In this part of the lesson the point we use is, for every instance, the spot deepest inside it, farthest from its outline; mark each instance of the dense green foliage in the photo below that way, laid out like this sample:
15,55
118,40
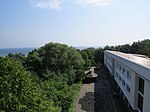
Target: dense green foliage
19,92
140,47
59,58
99,56
62,94
86,59
92,56
48,79
17,57
95,56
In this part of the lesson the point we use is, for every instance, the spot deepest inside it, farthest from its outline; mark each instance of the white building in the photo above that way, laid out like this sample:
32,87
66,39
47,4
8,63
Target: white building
132,74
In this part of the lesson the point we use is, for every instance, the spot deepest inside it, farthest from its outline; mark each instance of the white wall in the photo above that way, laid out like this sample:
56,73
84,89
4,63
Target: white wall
134,90
146,104
136,71
132,95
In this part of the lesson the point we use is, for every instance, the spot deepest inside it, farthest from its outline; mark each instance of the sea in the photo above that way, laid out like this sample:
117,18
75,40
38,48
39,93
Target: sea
6,51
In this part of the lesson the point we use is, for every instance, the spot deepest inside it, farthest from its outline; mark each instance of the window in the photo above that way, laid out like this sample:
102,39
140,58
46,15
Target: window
128,74
116,74
140,94
128,88
141,85
119,78
116,65
119,67
140,102
123,82
123,70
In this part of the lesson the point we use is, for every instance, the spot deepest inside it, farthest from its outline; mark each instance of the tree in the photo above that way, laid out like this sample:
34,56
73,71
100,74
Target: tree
86,59
99,55
17,57
18,92
55,57
140,47
62,94
90,53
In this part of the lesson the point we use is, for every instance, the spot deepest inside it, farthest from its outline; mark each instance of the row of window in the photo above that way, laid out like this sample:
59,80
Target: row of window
123,70
140,94
109,65
127,73
109,58
123,82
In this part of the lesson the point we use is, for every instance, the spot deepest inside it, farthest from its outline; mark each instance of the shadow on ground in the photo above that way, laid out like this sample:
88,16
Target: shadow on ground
88,80
87,102
103,94
102,99
104,88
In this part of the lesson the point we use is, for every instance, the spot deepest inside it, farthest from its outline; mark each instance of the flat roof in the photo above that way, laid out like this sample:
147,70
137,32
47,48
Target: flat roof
136,58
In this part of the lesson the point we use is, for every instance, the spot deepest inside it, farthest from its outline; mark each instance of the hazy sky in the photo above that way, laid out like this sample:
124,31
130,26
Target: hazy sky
32,23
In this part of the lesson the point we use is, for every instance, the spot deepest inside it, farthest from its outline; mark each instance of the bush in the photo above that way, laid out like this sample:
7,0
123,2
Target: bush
18,92
62,94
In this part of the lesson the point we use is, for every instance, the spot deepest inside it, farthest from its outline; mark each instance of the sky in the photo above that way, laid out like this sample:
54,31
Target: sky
33,23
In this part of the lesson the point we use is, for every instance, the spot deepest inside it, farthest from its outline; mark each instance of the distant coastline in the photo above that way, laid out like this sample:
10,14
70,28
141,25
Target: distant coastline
6,51
85,47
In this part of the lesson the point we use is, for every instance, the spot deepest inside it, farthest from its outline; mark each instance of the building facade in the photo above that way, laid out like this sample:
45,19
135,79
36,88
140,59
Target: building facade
132,75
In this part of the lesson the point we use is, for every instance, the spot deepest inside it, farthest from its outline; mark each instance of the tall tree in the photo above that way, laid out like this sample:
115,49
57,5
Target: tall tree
86,59
55,57
18,92
99,55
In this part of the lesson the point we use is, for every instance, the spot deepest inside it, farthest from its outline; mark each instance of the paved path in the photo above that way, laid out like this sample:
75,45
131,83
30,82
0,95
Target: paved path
85,102
97,97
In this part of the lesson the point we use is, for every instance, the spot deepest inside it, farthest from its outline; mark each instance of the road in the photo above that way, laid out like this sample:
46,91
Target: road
98,97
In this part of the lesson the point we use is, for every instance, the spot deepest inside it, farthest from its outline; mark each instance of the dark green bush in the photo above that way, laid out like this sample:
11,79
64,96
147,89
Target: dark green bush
18,92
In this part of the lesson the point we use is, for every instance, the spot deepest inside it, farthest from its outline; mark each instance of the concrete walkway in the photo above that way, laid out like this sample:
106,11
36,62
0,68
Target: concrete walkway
98,96
85,102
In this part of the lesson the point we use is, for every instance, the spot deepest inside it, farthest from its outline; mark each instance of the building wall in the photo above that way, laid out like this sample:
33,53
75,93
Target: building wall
127,74
146,104
134,91
124,81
